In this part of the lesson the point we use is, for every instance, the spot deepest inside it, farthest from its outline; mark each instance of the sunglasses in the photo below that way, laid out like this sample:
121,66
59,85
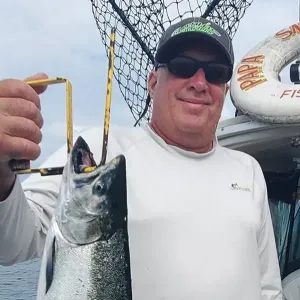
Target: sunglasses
186,67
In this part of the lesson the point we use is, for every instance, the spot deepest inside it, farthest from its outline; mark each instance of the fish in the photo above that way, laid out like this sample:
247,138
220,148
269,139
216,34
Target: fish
86,254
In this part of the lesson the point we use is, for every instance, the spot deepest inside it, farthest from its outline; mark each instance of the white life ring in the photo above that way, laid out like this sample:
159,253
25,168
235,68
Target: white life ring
255,87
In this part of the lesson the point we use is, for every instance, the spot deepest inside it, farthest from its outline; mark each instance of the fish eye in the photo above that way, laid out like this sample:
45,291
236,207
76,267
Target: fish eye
98,187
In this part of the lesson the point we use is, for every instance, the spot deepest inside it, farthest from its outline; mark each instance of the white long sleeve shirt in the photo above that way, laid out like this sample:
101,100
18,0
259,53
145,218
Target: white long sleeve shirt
199,224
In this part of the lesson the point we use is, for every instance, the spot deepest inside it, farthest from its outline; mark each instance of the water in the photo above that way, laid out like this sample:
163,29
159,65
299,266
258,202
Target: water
19,282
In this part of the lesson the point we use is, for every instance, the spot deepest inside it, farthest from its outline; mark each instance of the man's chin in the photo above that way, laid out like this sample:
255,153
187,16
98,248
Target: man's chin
190,126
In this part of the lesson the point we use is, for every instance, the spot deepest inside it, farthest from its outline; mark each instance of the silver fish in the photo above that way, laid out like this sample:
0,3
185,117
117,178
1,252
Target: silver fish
86,254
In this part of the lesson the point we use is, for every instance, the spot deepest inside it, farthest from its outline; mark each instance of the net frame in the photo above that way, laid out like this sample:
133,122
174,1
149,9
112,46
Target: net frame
139,25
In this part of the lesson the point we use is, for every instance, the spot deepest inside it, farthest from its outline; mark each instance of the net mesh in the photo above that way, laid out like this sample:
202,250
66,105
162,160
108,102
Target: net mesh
139,25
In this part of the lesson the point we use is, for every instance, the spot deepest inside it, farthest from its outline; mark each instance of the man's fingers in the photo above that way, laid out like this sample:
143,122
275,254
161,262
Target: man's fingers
20,119
22,127
21,108
12,88
18,148
40,89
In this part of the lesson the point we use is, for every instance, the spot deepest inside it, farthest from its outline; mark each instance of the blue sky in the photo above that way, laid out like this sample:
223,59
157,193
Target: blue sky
61,38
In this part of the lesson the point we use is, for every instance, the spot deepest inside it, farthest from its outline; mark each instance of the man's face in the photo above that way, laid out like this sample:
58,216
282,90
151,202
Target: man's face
191,105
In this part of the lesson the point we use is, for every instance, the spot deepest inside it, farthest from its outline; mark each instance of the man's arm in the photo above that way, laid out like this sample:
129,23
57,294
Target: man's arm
26,213
271,288
7,180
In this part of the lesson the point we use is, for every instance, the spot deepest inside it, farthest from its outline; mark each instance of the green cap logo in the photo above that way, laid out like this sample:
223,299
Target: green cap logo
198,27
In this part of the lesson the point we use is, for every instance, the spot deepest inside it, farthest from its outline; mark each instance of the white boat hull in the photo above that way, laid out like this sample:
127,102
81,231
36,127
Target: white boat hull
270,144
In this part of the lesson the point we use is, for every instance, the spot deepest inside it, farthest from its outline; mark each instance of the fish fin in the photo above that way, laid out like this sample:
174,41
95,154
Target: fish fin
47,266
50,267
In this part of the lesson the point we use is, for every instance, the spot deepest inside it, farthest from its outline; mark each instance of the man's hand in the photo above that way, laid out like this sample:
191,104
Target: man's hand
20,125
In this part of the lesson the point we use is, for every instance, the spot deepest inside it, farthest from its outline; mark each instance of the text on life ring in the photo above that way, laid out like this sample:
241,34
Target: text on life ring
286,34
250,72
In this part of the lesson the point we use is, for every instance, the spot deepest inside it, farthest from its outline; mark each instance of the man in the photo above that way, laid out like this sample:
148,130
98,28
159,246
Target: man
195,233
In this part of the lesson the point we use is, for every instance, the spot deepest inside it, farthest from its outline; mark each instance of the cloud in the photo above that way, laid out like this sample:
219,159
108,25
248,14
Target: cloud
59,129
61,39
261,20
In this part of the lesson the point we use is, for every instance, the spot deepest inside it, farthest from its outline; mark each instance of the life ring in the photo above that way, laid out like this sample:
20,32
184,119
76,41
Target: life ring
255,87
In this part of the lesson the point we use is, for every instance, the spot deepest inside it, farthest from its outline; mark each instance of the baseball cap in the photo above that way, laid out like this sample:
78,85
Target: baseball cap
191,30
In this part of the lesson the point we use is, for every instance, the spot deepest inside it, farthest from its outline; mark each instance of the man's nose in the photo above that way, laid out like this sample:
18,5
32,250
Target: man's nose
198,82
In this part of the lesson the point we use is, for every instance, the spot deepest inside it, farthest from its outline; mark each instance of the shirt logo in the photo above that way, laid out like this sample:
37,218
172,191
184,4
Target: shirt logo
236,187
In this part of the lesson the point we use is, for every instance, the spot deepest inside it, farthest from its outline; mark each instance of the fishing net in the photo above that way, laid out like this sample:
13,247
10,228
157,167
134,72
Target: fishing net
139,25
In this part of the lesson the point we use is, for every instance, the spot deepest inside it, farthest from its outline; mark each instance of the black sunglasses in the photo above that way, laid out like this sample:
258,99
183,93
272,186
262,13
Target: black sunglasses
186,67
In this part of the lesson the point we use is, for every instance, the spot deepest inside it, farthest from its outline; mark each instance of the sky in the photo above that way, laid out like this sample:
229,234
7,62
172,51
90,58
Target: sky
60,38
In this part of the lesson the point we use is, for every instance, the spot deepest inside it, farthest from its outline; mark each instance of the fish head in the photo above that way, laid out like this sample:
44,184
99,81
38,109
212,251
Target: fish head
91,205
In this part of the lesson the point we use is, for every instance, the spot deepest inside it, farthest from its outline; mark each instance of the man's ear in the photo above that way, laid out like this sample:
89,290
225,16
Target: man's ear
152,81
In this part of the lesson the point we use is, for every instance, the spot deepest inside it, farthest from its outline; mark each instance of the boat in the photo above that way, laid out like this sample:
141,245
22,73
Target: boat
266,125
